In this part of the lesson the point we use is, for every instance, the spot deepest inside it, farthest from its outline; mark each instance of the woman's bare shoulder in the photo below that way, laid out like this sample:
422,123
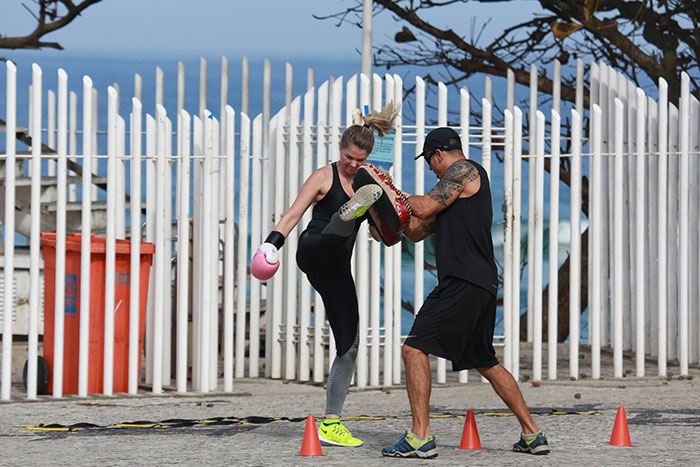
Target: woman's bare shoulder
321,180
322,175
326,170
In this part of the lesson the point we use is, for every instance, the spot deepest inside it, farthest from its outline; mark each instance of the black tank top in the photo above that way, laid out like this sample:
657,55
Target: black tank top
329,205
464,248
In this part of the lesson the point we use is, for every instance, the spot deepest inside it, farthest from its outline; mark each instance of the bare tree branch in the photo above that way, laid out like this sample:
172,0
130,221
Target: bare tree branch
646,40
455,52
52,15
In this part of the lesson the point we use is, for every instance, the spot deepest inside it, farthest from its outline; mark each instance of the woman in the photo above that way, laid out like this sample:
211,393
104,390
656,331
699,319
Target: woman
325,250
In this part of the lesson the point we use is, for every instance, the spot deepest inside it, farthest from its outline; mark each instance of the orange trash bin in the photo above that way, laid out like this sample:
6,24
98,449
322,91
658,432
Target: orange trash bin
72,310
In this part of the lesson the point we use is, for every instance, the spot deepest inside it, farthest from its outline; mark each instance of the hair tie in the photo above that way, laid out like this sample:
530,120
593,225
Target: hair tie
364,124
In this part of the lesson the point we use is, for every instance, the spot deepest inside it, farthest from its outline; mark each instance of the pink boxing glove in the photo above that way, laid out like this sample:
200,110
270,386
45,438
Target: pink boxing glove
265,262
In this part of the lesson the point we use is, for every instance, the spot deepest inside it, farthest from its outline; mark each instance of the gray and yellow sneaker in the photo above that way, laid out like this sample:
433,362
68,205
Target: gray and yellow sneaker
532,444
410,446
331,431
361,201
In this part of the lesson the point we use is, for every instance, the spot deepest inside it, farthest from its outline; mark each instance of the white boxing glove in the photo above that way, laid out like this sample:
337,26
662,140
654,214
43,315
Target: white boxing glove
271,252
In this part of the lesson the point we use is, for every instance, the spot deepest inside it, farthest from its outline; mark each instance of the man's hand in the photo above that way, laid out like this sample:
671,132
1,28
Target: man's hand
419,229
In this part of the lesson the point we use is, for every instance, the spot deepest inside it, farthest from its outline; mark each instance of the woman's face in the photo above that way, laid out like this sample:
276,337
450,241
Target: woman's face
351,158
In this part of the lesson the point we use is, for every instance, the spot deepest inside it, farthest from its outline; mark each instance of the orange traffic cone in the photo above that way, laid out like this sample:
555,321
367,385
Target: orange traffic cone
470,435
621,433
311,445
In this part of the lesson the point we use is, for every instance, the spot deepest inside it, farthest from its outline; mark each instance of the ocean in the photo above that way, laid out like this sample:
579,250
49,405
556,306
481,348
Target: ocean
108,70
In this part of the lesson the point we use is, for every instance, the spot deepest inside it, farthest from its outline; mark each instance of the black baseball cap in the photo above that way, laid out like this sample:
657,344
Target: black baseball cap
439,138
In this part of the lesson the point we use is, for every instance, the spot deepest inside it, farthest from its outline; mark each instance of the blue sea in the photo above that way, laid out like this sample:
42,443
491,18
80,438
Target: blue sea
108,70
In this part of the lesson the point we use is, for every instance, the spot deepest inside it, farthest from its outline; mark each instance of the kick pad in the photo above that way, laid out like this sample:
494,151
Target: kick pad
391,213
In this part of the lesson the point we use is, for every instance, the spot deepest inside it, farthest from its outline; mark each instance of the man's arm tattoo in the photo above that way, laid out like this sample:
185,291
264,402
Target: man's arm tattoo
429,228
457,175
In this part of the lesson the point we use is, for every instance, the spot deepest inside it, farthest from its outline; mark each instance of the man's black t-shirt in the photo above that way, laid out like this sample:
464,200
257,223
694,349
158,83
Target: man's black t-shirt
464,248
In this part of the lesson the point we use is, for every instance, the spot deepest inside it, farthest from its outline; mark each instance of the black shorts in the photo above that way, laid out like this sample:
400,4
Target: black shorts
456,322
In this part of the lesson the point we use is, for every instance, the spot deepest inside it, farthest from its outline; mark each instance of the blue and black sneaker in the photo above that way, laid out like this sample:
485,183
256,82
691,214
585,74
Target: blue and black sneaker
537,446
409,446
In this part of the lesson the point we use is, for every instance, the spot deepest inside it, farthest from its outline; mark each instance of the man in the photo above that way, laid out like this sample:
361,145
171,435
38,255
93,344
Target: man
457,320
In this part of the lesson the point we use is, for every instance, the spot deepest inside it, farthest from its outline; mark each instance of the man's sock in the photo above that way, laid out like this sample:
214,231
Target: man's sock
529,438
415,440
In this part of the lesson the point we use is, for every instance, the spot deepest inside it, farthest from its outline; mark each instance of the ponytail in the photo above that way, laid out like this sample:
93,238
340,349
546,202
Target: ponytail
361,134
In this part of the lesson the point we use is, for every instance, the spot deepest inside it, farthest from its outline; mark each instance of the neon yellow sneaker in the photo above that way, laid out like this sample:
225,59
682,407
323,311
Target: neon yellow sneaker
361,201
335,433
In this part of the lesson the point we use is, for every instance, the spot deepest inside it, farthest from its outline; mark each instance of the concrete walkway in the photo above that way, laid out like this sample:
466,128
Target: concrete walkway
663,418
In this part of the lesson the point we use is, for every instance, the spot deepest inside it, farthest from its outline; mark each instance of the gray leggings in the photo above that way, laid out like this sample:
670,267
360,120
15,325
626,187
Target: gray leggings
339,378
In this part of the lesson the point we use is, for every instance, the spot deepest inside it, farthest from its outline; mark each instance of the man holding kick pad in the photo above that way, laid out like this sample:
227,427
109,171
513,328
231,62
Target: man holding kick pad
457,320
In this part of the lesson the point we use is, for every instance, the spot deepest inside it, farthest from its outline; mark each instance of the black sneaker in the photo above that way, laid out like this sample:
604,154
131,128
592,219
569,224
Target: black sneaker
538,446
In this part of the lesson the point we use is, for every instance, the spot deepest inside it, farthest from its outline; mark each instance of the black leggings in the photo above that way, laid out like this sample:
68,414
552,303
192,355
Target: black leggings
325,259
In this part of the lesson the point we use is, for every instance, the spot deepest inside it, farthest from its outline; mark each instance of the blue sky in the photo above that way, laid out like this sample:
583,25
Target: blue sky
273,28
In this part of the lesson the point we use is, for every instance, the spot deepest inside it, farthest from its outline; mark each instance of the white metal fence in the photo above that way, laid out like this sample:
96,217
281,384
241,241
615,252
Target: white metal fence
643,267
205,313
